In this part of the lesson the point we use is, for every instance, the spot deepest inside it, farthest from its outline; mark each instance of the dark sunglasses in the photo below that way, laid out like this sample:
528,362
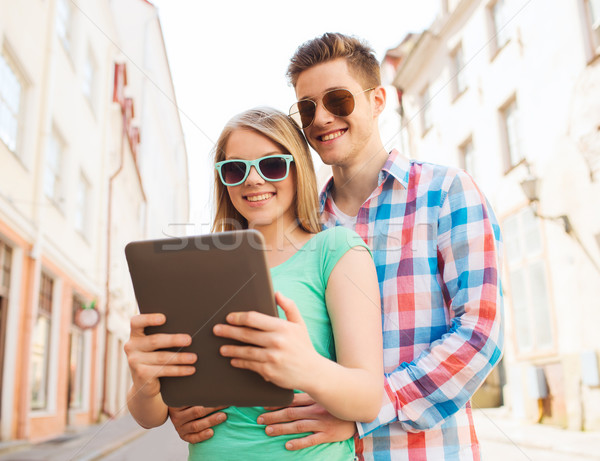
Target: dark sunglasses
271,168
337,102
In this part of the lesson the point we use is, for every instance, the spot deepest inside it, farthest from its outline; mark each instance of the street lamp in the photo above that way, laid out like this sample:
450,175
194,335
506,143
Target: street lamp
530,186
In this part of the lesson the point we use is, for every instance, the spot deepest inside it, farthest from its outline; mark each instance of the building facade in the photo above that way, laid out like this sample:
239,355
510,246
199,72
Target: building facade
85,122
510,91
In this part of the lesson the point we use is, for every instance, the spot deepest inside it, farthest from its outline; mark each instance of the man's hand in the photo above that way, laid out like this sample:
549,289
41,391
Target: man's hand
304,415
194,424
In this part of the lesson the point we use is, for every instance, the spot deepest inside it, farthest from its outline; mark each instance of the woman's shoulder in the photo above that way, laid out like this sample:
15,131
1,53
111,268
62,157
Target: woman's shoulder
338,237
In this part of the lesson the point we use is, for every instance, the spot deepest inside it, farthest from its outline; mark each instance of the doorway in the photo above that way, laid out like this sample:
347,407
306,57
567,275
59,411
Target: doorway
5,266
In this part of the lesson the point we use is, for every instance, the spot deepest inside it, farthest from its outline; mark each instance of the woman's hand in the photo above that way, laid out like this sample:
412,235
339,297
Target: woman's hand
280,350
147,364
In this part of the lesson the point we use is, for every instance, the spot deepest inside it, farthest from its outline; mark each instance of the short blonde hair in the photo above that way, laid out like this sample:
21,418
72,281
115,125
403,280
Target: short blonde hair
280,129
359,56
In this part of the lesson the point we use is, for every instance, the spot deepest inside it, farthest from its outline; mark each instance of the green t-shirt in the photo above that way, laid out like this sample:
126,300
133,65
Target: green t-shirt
302,278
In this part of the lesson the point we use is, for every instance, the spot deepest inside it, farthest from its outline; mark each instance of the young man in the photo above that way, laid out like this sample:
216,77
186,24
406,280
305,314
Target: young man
436,246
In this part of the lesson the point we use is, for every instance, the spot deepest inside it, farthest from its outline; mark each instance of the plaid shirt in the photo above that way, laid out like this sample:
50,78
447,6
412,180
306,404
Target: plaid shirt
436,245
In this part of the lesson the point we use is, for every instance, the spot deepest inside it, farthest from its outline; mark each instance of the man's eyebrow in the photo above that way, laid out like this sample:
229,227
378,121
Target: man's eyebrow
324,91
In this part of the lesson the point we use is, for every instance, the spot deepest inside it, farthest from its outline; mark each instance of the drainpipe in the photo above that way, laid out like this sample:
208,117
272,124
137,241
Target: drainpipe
104,408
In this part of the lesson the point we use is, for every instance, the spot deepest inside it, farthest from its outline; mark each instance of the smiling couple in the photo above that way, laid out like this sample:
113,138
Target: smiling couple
385,332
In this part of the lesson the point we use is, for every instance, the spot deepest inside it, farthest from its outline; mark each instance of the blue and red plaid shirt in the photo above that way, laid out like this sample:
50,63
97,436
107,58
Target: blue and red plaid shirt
436,245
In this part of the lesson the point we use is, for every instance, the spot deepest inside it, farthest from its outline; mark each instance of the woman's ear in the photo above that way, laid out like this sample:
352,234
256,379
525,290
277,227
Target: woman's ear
378,100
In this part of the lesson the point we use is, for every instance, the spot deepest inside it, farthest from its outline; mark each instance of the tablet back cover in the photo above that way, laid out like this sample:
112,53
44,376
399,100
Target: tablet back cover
196,282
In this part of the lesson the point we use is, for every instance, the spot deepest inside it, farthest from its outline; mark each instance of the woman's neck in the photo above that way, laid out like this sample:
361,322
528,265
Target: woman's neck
282,240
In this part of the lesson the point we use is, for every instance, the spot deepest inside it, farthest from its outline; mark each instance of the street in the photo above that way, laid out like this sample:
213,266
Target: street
501,439
121,439
161,443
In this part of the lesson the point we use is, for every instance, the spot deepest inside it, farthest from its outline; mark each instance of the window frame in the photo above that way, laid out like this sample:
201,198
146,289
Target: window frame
524,262
464,152
88,87
500,28
512,141
57,145
46,299
592,25
64,24
460,82
11,66
79,378
426,113
81,215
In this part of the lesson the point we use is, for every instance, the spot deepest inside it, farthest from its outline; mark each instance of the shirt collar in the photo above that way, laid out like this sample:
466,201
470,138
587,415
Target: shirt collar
396,166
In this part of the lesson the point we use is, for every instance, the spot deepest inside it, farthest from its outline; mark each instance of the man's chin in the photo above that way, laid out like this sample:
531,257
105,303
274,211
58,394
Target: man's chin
330,158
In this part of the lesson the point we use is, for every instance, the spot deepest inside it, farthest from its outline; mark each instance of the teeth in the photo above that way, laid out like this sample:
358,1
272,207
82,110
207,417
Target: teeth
257,198
330,136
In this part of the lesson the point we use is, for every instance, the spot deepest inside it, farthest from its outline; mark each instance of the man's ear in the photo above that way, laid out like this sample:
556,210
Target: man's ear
378,100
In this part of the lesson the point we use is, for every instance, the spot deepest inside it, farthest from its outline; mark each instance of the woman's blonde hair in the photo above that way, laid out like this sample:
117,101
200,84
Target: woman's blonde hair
280,129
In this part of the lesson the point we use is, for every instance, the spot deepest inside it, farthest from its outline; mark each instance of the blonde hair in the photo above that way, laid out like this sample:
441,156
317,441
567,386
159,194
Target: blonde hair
280,129
360,57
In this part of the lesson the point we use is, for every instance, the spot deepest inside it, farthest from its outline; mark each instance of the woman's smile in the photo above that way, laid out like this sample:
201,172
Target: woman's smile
259,198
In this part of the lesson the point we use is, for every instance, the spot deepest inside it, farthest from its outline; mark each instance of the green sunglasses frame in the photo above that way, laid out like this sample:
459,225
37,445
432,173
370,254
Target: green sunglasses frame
254,163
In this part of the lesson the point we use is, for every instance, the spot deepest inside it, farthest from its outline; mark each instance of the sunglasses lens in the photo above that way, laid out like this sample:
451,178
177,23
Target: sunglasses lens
233,172
273,168
306,110
339,102
295,114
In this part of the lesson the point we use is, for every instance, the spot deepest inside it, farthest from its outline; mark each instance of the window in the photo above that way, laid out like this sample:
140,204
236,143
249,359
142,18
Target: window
459,80
426,110
76,359
467,156
54,159
82,204
11,89
63,23
5,264
593,15
500,25
512,134
528,282
40,356
89,77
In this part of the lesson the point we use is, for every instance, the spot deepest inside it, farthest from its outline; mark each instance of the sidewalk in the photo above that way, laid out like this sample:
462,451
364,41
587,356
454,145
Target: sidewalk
492,425
91,444
496,425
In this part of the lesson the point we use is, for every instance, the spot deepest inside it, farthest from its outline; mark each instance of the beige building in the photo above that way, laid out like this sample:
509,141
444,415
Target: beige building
91,156
510,91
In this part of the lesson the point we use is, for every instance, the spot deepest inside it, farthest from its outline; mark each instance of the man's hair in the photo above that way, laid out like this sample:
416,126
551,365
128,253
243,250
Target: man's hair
359,56
280,129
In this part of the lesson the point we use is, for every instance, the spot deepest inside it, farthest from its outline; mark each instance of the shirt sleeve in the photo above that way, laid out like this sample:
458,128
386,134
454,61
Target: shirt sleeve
441,380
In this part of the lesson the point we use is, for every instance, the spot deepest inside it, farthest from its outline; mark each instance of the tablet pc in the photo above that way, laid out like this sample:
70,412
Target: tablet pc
196,281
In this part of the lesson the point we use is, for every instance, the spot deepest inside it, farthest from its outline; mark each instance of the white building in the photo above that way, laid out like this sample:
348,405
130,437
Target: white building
510,91
79,150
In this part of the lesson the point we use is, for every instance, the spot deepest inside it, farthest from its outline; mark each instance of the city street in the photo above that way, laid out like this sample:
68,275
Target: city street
122,439
161,443
503,438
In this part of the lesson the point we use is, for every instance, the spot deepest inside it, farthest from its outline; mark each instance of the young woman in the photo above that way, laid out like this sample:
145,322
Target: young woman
327,341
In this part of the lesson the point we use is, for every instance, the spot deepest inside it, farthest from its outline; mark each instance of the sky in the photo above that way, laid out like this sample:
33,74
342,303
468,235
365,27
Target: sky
231,55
